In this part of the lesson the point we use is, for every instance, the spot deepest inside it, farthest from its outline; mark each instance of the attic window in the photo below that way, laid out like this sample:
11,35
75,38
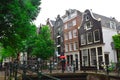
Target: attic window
86,18
87,25
112,25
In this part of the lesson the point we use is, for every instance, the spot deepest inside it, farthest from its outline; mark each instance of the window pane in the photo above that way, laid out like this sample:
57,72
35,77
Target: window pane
99,50
83,41
97,35
85,57
89,37
93,56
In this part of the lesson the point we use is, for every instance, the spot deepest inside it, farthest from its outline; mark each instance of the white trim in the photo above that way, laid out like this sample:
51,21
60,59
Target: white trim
94,35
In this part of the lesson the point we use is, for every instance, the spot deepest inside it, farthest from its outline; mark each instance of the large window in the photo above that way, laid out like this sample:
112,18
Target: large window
70,24
66,36
74,33
89,38
96,36
74,22
70,47
70,34
83,40
85,57
75,45
93,56
66,47
88,25
65,26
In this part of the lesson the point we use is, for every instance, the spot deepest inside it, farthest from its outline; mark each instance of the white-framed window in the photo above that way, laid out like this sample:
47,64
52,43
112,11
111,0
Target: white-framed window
83,39
112,25
85,57
70,34
70,24
89,38
74,33
65,26
96,35
70,47
88,25
75,45
66,36
66,47
93,59
74,22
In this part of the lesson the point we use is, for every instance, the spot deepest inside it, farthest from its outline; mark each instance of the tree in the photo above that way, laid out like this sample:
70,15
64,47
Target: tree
43,44
116,39
16,25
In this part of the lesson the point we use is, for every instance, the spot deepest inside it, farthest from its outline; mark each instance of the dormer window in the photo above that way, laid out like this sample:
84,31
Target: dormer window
112,25
87,25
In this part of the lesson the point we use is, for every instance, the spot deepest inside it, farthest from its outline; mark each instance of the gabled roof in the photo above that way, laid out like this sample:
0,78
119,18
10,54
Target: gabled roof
105,21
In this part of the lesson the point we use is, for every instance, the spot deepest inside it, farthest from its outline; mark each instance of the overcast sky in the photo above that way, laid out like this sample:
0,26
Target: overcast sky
51,8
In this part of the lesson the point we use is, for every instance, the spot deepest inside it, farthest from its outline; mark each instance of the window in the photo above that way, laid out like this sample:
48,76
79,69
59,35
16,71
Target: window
66,36
75,33
88,25
86,18
65,26
96,36
112,25
89,37
66,47
70,34
70,24
75,45
83,41
70,47
85,57
74,22
99,50
93,56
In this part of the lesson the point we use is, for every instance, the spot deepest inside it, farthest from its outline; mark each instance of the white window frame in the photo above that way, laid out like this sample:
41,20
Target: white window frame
70,34
65,26
98,35
87,27
66,36
70,48
74,22
84,54
91,57
74,33
112,25
83,41
91,38
66,47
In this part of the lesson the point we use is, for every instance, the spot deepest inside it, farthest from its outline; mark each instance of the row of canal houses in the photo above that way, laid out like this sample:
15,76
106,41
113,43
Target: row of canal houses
85,38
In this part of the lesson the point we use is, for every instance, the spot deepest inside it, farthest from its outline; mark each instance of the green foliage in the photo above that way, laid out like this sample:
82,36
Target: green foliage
116,39
16,26
43,45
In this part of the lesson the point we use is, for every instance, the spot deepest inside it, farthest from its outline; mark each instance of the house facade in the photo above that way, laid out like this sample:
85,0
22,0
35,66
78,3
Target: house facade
95,36
58,36
71,20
